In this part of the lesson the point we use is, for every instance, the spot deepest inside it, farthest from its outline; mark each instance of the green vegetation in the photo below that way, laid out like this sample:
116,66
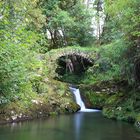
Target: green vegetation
43,40
52,98
68,22
108,65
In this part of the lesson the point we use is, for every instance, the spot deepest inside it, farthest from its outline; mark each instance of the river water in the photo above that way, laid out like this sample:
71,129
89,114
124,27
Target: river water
87,124
79,126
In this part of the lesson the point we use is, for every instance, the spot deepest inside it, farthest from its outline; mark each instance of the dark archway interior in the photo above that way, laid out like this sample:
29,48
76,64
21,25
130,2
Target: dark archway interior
73,64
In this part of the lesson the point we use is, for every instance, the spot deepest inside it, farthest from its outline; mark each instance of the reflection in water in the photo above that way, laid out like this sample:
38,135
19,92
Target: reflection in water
79,126
78,122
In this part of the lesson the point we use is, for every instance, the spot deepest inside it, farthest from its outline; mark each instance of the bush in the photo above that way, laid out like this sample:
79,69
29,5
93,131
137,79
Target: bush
17,63
108,65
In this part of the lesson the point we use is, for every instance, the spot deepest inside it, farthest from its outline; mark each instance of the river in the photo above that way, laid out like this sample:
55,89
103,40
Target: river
78,126
87,124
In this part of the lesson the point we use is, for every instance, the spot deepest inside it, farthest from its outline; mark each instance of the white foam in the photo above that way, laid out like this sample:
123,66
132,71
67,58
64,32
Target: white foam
79,101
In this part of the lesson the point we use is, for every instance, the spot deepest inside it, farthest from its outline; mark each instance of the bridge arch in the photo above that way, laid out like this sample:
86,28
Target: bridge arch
57,60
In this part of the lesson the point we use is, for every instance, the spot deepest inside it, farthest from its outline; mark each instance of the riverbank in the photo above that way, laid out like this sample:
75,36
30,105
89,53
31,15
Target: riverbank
117,100
52,98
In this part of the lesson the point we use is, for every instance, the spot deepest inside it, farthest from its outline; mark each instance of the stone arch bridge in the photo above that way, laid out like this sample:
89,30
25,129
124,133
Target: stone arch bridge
52,57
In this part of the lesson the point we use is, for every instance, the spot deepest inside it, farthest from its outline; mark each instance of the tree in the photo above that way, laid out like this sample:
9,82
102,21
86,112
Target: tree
127,15
68,22
17,61
124,18
99,16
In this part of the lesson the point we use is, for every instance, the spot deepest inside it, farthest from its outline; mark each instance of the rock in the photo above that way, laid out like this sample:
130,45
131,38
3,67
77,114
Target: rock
103,90
20,115
12,112
14,117
35,101
7,119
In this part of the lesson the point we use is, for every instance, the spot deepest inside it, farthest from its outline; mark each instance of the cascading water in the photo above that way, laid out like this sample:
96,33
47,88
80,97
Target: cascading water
79,101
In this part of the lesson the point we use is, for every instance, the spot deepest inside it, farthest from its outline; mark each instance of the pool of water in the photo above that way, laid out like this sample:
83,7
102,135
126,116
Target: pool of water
79,126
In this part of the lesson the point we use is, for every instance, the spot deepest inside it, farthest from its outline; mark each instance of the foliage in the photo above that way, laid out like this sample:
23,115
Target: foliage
17,56
127,15
122,21
108,65
111,31
122,107
28,27
68,22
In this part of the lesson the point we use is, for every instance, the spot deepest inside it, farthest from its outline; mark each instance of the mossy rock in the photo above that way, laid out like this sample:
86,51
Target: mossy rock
118,113
114,99
109,112
70,107
97,99
102,94
48,98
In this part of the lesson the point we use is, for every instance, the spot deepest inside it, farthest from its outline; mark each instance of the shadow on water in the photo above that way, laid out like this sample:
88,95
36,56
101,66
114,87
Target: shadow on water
79,126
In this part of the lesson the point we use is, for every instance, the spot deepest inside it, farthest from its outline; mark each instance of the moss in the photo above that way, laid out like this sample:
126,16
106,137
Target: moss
109,112
117,101
102,94
114,99
53,98
121,107
97,99
53,113
119,114
52,57
70,107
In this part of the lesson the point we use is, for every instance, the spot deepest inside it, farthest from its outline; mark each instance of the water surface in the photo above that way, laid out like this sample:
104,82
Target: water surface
79,126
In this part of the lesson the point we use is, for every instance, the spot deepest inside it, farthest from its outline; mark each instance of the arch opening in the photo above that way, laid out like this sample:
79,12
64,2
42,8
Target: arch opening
71,67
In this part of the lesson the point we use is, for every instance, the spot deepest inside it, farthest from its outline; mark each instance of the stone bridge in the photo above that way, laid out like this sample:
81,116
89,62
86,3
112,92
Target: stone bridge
53,56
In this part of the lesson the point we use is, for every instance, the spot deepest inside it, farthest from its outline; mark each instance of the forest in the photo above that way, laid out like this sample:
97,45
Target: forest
46,46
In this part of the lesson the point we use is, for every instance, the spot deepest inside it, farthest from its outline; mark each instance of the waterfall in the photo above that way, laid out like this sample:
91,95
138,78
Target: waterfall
79,101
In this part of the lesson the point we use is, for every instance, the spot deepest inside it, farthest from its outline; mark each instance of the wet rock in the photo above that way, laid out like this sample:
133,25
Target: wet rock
14,117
